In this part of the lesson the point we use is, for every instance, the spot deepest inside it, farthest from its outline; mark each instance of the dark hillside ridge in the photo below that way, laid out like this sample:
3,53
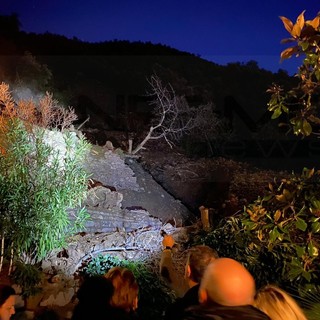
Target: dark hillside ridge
108,82
52,44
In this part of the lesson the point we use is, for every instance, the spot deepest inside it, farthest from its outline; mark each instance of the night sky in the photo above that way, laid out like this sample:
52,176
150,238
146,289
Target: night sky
221,31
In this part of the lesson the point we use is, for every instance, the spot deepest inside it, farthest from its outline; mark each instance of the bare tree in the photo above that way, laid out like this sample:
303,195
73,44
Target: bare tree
210,128
173,117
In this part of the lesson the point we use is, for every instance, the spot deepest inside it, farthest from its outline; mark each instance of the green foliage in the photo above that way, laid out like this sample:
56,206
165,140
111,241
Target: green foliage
28,277
38,184
286,222
301,103
36,191
277,236
229,241
154,296
101,264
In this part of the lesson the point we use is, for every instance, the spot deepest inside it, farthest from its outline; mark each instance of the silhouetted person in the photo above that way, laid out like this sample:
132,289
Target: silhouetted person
124,300
93,299
7,302
197,261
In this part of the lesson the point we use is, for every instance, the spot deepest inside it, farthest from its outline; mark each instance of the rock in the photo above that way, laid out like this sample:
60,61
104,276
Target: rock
109,146
110,169
125,223
103,197
61,298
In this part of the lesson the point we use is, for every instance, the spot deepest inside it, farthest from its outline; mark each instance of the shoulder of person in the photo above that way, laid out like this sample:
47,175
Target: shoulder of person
216,311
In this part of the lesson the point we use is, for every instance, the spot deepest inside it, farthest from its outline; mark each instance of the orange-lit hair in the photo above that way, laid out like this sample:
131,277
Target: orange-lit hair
125,288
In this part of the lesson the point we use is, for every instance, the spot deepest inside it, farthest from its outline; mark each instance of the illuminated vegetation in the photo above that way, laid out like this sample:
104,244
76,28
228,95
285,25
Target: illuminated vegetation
301,103
37,182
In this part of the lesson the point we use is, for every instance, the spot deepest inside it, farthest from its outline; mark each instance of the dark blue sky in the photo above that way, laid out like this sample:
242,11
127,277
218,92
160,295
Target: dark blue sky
219,30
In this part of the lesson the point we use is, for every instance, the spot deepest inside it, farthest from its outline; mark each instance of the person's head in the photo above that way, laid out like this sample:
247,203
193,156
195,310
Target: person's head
95,290
126,288
228,283
94,297
7,302
278,304
197,261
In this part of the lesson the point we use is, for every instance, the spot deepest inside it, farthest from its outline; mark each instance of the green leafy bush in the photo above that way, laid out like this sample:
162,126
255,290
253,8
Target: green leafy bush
277,236
38,183
230,241
28,277
154,296
286,222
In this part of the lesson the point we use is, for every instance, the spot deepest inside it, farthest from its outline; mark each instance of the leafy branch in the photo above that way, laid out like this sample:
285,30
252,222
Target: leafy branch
301,103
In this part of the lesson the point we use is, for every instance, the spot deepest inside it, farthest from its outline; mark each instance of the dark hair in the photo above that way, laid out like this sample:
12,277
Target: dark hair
47,314
198,259
94,297
95,289
5,292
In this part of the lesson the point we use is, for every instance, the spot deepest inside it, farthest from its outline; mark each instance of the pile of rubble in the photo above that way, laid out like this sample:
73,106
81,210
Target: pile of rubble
128,212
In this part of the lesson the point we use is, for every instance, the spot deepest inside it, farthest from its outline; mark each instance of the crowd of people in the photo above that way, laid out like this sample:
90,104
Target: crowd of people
213,287
224,289
111,296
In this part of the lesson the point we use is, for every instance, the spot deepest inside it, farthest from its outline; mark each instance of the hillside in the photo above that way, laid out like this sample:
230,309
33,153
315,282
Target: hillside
110,78
108,82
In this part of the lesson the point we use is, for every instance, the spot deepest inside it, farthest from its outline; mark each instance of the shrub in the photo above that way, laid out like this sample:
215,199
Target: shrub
37,183
229,241
310,301
28,277
276,236
286,222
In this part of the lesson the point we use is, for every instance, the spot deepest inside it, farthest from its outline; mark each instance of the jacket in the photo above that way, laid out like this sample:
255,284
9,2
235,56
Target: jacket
219,312
177,309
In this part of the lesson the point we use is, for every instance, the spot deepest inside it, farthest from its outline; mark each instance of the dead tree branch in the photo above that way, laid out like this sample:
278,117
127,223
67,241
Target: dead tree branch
172,115
174,118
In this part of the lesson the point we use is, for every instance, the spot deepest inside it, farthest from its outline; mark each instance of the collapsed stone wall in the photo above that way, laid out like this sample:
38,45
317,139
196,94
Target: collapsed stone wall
129,232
